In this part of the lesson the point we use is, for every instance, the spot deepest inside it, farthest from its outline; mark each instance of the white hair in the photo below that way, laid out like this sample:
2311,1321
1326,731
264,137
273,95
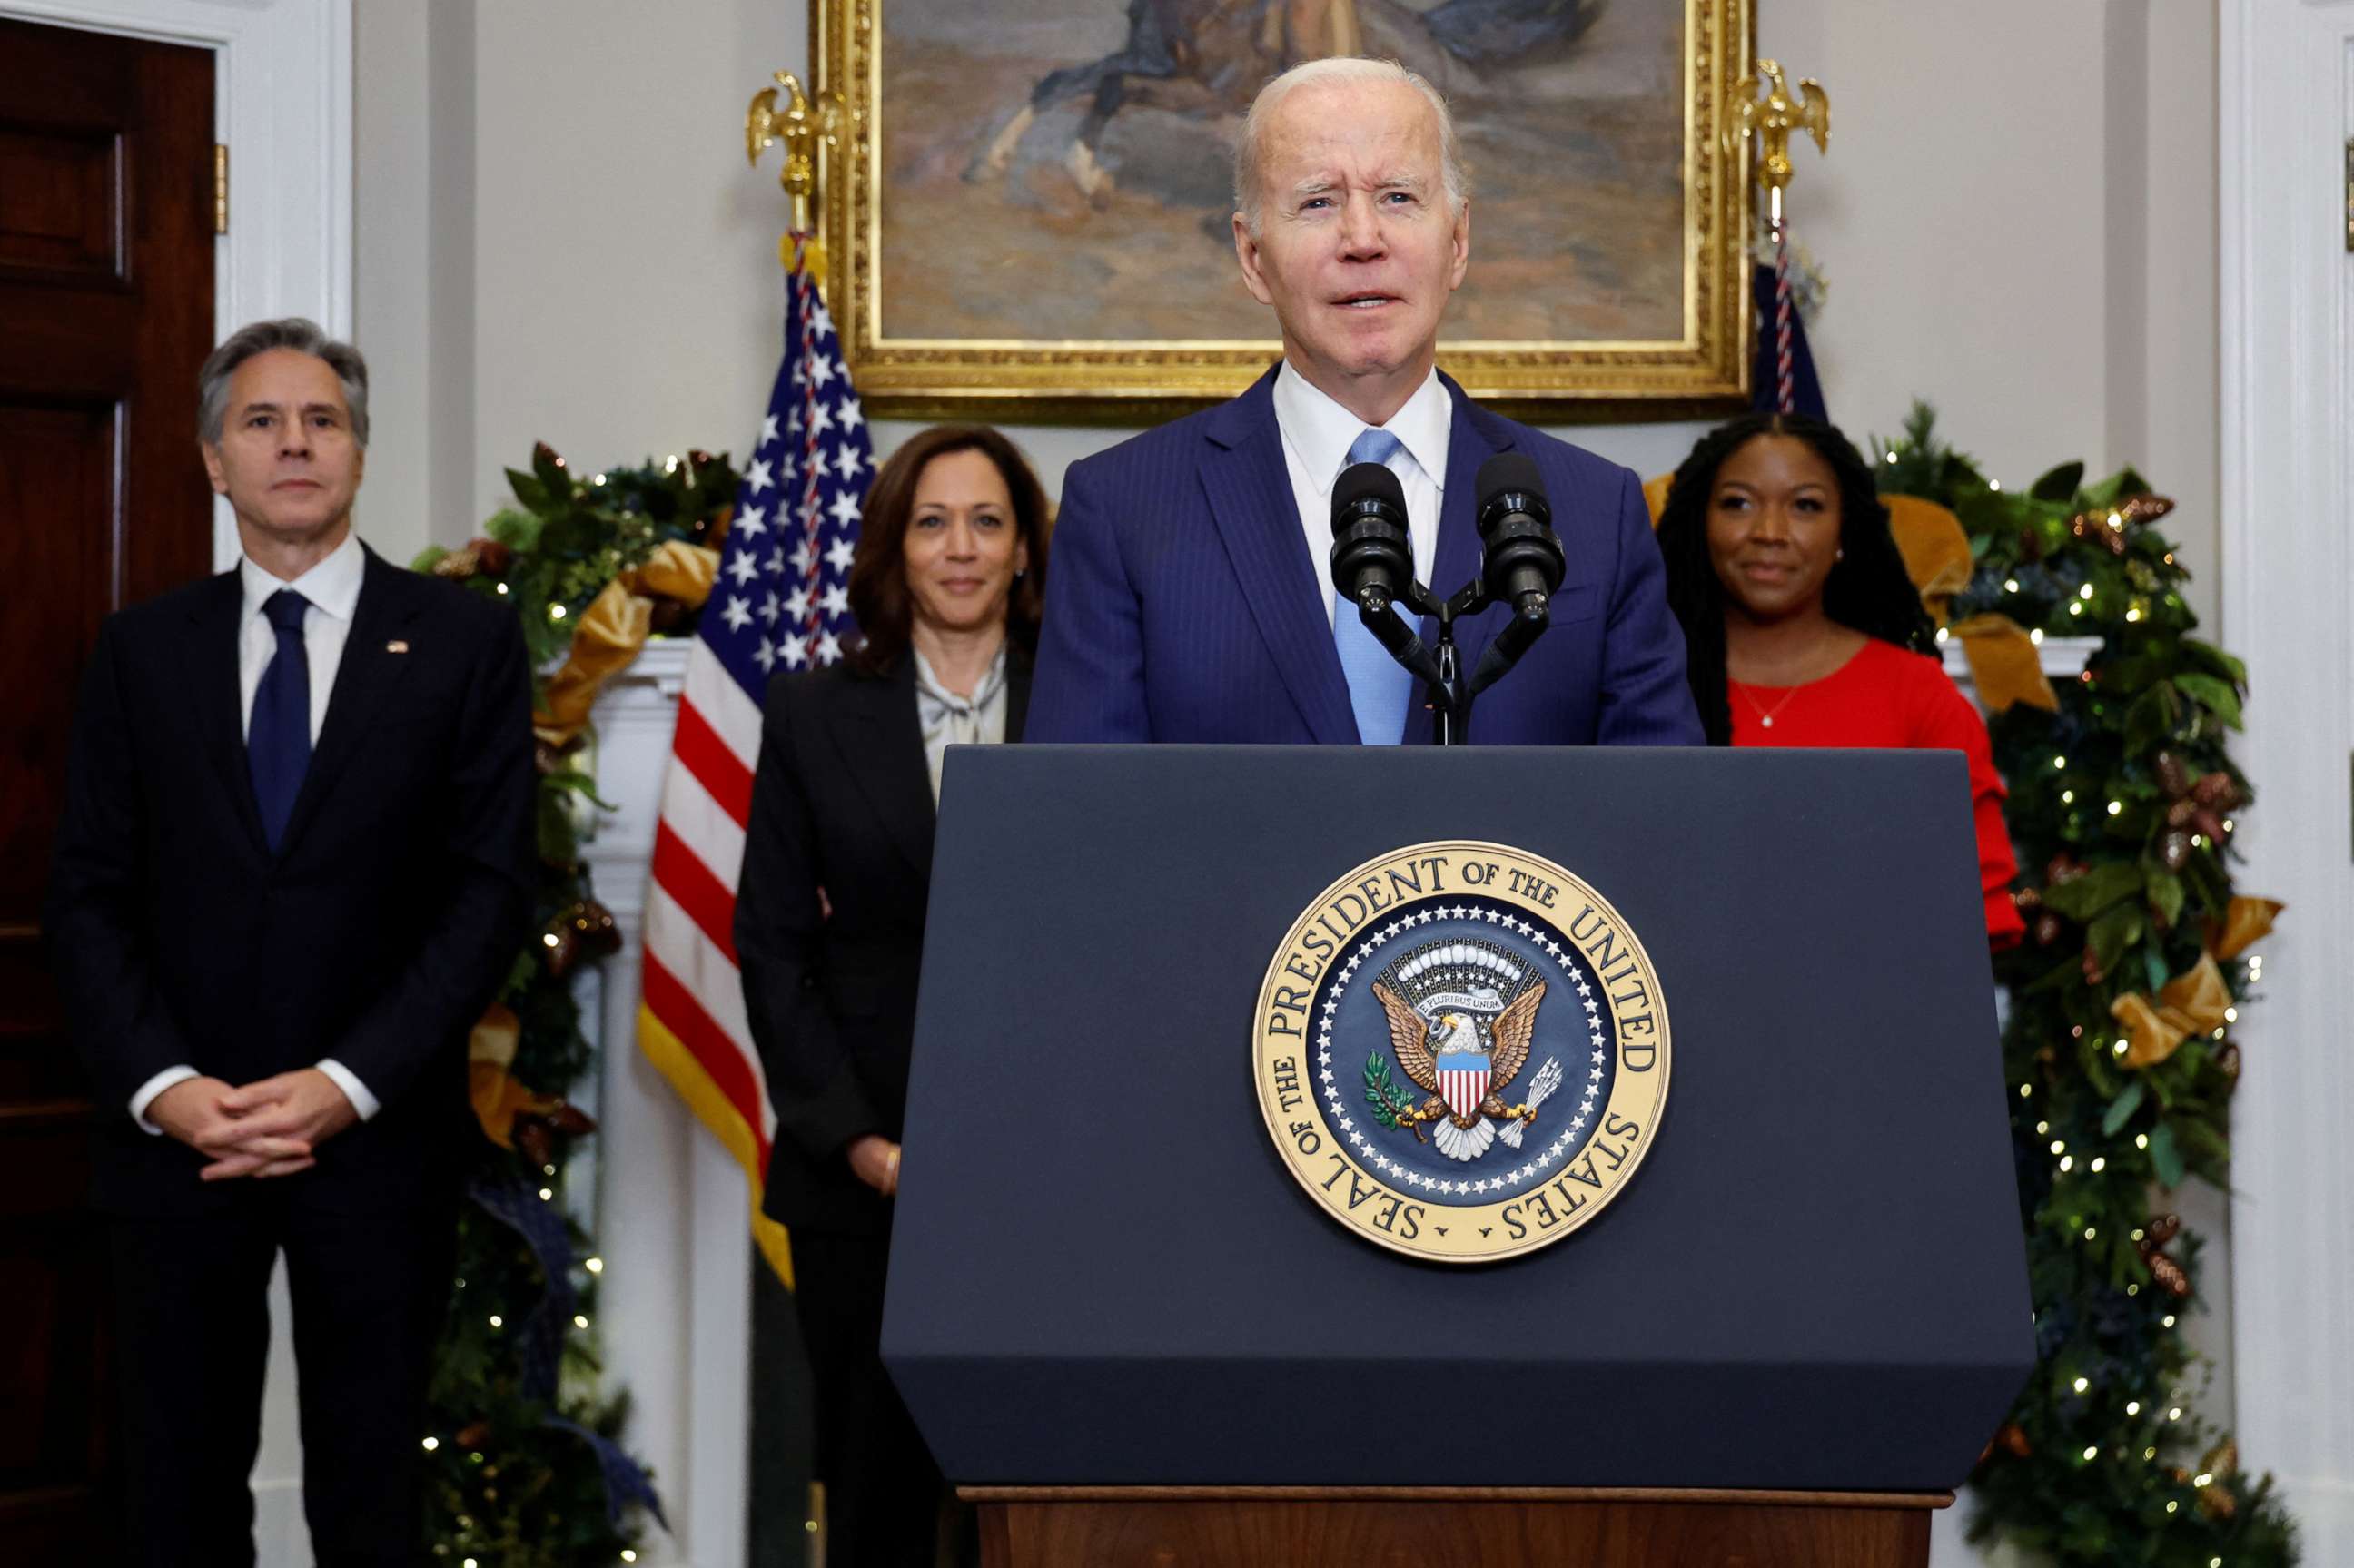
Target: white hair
1336,69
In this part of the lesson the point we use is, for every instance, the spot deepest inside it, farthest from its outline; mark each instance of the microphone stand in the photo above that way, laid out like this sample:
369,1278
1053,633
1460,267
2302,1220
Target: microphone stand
1441,667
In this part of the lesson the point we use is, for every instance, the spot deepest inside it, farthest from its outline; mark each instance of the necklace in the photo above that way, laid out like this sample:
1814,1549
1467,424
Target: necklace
1764,716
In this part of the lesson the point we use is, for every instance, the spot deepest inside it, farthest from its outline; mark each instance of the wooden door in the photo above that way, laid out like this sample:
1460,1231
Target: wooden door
106,307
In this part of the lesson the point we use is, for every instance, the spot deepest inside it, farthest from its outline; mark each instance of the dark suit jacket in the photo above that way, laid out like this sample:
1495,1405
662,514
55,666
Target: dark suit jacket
842,802
1183,606
386,921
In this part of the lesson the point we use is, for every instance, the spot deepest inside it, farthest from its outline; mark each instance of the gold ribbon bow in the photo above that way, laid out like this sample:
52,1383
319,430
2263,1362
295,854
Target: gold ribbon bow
613,629
2194,1002
497,1097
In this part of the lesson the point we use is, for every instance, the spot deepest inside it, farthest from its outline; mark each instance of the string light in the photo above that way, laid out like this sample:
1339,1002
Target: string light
2116,806
595,1266
496,1321
2036,637
431,1443
2118,1049
2058,1147
2067,796
546,1195
2174,1414
503,587
2083,1384
2076,608
579,1320
2010,585
1994,484
555,613
2141,1140
2091,1452
2168,1320
2059,762
2090,1232
2085,592
2025,1090
2099,1163
2066,1162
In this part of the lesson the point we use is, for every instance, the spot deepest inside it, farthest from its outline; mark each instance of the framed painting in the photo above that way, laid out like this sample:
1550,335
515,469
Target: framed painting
1028,205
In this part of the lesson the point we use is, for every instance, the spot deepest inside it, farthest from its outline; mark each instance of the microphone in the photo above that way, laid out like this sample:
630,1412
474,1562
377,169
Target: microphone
1520,561
1373,555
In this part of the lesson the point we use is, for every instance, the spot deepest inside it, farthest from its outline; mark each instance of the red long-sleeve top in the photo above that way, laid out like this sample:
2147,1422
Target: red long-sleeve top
1888,696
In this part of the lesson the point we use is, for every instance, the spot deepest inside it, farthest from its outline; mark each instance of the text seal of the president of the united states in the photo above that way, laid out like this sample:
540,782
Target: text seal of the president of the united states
1461,1051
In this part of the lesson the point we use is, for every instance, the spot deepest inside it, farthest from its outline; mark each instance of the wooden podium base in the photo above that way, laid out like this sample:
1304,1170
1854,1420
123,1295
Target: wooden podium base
1431,1526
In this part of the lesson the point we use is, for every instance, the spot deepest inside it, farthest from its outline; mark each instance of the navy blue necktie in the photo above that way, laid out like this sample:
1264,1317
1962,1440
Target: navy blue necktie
278,738
1379,686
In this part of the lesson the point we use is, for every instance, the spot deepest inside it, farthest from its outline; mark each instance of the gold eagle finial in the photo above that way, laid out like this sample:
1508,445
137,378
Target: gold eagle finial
1772,117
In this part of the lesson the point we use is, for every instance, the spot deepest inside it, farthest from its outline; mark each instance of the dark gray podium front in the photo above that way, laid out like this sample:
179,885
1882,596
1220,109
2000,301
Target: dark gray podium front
1102,1275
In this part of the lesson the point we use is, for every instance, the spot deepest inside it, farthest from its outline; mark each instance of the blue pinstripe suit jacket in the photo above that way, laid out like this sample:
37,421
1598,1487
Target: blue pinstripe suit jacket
1182,604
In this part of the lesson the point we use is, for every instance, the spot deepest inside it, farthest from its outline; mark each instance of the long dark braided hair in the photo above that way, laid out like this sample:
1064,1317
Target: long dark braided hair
1868,589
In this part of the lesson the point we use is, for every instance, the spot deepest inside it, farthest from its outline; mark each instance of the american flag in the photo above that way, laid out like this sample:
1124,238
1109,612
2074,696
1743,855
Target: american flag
780,603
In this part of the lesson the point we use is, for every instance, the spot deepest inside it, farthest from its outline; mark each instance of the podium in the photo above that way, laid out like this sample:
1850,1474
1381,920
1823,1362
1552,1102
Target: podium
1130,1335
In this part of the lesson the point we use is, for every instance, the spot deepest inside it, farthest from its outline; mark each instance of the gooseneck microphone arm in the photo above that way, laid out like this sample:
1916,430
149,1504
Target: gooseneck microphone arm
1521,565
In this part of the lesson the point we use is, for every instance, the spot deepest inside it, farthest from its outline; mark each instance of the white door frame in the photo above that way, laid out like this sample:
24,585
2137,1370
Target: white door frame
282,103
2285,108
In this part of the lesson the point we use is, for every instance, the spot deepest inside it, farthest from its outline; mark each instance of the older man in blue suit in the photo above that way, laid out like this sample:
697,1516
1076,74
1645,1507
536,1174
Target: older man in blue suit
1190,600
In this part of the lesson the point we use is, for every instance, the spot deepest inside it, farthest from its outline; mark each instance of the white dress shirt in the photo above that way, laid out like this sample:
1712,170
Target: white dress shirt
1317,435
333,586
948,719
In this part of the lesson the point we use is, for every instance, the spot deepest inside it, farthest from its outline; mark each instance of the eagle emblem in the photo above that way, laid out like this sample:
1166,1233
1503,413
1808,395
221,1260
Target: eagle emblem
1462,1016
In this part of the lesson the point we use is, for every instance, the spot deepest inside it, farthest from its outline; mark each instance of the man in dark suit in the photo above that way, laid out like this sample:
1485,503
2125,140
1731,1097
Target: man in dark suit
294,865
1191,600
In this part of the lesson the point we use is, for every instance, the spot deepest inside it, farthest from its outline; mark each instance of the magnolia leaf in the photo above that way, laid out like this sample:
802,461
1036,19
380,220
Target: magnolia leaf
2153,964
2164,1156
2121,1109
2216,660
2215,696
527,489
2059,483
2086,896
2112,932
2166,897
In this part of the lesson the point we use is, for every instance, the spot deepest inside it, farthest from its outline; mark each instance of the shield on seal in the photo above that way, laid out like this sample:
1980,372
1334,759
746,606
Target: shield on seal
1463,1080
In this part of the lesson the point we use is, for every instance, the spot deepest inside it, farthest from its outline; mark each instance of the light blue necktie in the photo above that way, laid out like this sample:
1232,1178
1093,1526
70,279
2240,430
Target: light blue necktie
1378,685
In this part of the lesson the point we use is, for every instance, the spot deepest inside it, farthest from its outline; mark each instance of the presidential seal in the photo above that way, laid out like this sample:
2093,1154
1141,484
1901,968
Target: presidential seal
1461,1052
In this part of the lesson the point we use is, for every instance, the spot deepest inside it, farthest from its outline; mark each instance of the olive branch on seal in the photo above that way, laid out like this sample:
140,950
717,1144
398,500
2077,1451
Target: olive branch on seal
1390,1103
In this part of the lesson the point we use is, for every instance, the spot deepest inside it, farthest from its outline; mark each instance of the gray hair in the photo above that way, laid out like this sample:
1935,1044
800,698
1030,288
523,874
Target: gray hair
302,336
1342,69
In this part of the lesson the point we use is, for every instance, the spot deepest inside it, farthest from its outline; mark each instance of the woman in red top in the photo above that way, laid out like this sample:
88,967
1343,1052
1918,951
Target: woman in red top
1800,624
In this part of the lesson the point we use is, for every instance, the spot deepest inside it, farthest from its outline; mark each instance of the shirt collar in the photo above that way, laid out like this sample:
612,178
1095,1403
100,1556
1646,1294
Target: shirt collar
929,682
1321,431
333,586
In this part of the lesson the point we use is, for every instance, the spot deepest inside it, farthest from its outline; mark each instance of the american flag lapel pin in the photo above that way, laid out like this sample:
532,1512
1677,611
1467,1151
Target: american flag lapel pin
396,646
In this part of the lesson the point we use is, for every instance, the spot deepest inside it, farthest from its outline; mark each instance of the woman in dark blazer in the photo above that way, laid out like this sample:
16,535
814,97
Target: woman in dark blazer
945,584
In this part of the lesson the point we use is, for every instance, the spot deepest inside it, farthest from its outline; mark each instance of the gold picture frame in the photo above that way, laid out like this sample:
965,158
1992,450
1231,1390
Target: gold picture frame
1685,355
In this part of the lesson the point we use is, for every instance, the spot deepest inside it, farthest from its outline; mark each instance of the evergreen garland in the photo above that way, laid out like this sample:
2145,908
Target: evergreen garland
526,1468
2120,810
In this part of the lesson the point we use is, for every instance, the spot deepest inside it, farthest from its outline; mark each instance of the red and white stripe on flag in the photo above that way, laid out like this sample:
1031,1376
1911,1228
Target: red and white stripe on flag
781,604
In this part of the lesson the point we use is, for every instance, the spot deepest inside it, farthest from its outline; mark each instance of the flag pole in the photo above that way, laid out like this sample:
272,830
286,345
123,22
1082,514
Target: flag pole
1770,118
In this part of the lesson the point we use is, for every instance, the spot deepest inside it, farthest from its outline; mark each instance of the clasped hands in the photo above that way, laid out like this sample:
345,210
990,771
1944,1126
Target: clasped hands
271,1126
